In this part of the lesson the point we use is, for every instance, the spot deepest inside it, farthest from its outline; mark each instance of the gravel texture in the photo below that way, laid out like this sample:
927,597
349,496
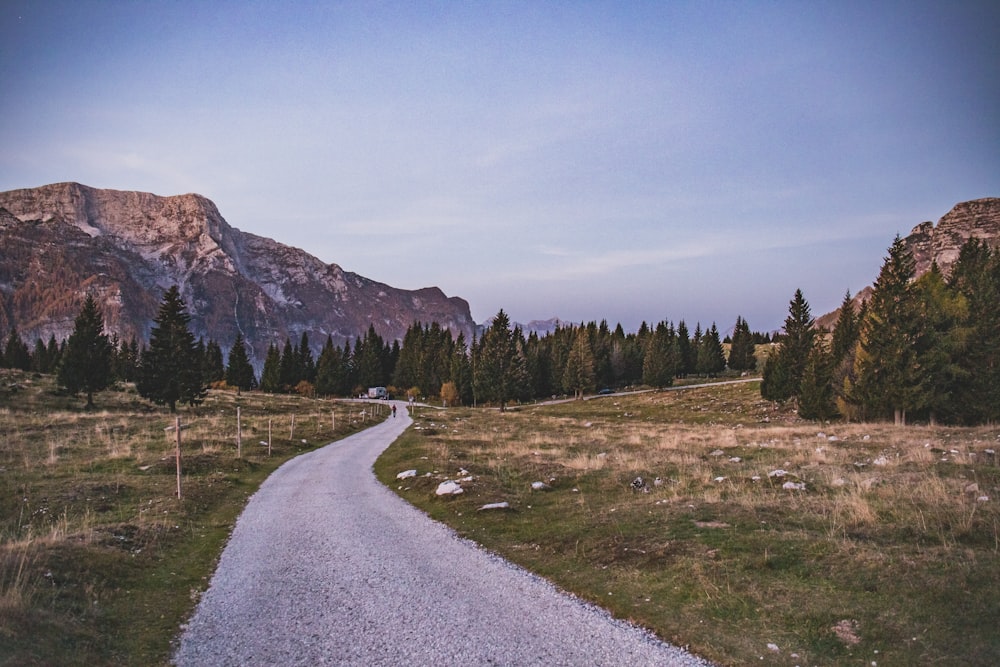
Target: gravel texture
328,567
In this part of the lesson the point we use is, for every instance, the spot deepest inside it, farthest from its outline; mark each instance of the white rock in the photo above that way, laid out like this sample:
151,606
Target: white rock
735,459
773,648
467,479
720,479
449,488
717,452
794,486
495,506
983,499
540,486
777,473
406,473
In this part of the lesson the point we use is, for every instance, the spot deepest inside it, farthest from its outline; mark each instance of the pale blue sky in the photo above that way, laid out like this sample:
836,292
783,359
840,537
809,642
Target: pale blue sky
586,160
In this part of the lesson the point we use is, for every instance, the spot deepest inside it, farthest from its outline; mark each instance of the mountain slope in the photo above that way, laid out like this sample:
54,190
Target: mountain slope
62,241
941,243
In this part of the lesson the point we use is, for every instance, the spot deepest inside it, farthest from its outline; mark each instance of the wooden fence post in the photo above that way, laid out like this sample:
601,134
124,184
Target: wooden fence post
177,428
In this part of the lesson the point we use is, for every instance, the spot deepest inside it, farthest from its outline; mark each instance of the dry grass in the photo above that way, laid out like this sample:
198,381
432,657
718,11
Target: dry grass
98,557
893,540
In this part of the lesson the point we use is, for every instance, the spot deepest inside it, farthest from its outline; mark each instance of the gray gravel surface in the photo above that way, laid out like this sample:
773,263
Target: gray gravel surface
328,567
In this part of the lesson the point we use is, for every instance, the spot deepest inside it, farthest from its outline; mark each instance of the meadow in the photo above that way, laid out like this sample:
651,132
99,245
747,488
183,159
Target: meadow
100,562
753,537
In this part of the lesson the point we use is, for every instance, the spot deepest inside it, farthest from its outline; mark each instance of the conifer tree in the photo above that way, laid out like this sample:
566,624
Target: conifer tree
975,279
499,369
685,350
816,399
711,359
784,368
888,375
16,353
86,364
662,360
290,371
239,372
741,351
270,376
579,376
213,368
170,371
306,363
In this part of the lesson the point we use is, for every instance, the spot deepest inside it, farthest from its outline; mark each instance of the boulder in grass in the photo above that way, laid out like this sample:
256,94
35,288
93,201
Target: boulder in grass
406,474
495,506
540,486
449,488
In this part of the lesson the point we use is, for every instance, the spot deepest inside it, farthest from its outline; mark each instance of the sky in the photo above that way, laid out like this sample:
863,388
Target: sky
619,161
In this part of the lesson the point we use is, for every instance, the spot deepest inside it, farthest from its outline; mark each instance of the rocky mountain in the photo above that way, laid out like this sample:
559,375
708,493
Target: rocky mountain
60,242
941,243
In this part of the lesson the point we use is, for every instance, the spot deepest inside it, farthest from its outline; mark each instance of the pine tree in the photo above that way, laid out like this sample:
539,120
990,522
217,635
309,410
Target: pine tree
661,362
499,370
239,372
741,351
290,371
687,354
170,371
213,368
711,359
975,279
16,354
816,400
888,375
785,367
86,364
306,364
270,376
579,376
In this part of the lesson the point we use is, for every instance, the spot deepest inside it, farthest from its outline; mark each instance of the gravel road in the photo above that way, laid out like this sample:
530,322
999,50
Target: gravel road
328,567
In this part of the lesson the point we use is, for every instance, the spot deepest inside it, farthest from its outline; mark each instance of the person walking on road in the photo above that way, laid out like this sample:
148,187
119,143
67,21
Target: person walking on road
394,411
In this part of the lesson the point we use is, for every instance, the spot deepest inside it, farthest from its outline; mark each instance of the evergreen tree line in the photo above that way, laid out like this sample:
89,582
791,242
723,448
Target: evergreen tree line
500,367
924,348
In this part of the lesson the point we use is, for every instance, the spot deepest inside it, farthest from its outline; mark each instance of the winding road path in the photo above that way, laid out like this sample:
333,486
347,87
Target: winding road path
328,567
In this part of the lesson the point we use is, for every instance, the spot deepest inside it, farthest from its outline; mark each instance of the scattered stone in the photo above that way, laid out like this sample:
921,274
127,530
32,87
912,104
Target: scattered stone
866,438
495,506
720,479
467,478
734,459
794,486
847,632
821,435
840,481
540,486
449,488
881,461
717,452
833,438
638,484
779,473
144,468
406,474
657,482
773,648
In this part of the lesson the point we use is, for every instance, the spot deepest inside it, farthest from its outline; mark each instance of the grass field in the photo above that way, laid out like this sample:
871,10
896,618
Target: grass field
100,563
755,538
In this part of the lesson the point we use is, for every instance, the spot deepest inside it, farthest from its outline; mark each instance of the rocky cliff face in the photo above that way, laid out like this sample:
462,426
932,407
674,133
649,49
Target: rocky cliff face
60,242
941,243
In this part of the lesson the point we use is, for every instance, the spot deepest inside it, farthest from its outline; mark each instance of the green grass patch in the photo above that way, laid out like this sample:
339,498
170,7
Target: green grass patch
889,553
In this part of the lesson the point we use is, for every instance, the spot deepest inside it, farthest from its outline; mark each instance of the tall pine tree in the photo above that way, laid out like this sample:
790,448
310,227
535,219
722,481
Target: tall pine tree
86,363
170,371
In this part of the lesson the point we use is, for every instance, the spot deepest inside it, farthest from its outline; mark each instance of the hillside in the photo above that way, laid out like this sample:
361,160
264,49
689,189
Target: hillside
65,240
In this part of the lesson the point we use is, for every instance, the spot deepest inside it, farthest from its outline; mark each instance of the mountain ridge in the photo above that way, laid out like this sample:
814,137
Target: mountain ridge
128,247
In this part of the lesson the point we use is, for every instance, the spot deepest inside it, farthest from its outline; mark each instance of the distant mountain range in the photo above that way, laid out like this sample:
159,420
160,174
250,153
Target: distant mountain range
941,243
60,242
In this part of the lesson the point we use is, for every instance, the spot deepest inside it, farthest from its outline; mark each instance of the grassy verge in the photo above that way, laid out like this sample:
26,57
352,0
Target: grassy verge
889,553
100,563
